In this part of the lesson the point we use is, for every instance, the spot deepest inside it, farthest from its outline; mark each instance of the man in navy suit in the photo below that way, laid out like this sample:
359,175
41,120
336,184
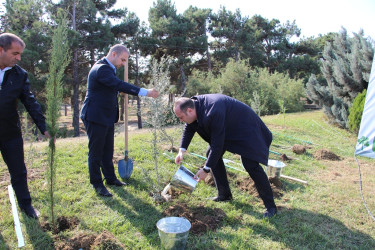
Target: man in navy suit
227,125
14,86
100,111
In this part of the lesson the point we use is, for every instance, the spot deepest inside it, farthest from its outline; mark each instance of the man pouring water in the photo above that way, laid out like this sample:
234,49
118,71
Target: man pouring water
227,124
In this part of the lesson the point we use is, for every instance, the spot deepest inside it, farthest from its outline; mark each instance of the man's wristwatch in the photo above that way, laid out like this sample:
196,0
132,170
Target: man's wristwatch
206,170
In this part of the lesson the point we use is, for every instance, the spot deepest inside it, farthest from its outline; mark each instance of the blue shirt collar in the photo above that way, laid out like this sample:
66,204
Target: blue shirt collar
110,64
2,73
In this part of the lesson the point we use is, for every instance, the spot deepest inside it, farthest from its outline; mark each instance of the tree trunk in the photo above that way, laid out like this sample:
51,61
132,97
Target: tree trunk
209,60
75,101
139,116
183,80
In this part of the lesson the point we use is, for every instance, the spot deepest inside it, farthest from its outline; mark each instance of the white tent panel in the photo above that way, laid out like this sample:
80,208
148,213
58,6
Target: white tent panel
366,136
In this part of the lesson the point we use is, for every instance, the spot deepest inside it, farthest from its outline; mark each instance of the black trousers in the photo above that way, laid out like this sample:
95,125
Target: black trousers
101,144
13,155
256,173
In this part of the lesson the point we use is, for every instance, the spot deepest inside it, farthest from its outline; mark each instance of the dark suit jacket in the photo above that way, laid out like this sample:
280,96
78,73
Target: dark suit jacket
101,104
16,86
228,125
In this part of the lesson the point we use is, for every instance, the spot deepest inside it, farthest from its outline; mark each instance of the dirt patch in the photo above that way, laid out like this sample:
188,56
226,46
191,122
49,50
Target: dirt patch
62,224
32,174
248,185
284,157
174,192
325,154
106,240
299,149
201,218
210,180
83,240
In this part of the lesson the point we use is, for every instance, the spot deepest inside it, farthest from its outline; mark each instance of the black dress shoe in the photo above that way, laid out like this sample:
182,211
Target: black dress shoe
116,182
30,211
222,198
270,212
103,191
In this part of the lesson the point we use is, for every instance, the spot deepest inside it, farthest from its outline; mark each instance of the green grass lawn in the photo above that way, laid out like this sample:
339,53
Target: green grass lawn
327,213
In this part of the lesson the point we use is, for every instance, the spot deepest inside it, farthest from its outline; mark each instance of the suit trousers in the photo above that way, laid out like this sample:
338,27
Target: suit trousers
261,181
101,144
13,155
220,175
256,173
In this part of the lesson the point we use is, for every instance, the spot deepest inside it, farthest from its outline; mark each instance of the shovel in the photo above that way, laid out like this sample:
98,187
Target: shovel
125,166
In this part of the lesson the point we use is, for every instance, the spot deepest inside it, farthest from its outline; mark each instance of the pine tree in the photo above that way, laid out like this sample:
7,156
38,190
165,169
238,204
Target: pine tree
346,68
58,63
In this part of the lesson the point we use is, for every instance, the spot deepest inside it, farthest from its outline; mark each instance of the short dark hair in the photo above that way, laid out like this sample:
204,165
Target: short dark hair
6,40
184,103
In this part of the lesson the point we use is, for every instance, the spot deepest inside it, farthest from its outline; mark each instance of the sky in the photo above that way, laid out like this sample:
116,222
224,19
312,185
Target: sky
312,17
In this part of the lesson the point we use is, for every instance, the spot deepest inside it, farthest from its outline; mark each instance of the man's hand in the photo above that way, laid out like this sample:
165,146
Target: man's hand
46,134
200,175
152,93
179,157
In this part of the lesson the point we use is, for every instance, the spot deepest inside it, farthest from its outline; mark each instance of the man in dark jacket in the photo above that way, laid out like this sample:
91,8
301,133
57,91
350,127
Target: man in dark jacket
227,125
100,112
14,86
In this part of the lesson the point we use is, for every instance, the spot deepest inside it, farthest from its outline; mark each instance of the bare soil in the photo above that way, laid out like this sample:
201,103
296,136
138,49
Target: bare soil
201,218
248,185
62,224
83,240
299,149
325,154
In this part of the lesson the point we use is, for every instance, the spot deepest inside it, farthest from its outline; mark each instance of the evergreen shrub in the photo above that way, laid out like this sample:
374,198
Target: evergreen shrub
355,112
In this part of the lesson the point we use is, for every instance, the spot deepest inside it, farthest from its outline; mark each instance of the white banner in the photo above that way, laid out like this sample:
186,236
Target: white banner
366,136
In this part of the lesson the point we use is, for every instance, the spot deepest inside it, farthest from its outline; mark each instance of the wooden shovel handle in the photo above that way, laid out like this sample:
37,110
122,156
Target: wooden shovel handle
126,79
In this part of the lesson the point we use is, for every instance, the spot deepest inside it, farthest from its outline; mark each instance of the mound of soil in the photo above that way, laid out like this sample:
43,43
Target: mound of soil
106,240
201,218
211,181
248,185
284,157
325,154
63,223
174,192
299,149
82,240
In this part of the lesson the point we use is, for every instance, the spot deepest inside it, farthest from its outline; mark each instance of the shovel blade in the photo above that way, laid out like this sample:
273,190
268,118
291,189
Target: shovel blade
125,167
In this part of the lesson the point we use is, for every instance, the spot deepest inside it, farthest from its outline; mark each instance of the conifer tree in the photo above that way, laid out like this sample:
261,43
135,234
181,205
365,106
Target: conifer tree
346,68
58,63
